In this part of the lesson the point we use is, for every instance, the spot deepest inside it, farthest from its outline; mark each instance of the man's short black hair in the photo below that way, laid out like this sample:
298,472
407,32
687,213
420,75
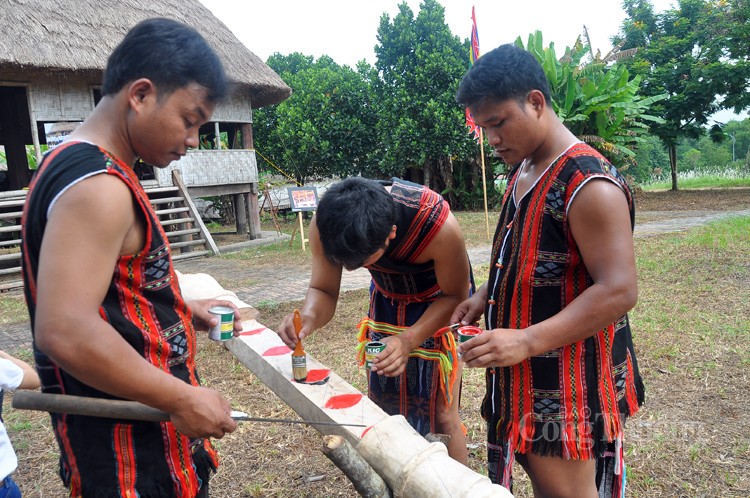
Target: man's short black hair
507,72
354,219
170,54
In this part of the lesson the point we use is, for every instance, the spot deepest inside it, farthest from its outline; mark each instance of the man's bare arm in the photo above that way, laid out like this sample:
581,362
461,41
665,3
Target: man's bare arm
322,293
88,228
599,221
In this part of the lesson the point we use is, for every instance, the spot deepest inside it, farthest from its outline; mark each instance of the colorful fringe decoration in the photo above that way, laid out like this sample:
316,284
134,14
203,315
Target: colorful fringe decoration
446,356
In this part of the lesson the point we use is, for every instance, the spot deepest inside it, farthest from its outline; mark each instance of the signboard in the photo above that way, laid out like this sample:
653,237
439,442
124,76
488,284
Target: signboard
303,198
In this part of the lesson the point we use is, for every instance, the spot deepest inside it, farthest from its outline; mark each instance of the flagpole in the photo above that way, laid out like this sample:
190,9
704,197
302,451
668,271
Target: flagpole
484,184
473,128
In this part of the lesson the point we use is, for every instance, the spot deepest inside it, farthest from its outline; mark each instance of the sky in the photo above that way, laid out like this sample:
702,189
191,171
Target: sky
346,30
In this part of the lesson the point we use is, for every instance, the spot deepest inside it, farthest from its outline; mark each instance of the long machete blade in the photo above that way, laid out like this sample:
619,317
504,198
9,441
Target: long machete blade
244,417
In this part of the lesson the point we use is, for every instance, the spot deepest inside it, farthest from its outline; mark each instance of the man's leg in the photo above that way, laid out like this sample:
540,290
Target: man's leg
448,421
553,477
203,492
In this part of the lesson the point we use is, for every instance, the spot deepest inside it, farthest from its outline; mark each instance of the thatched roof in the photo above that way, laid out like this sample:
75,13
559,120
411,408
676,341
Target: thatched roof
79,35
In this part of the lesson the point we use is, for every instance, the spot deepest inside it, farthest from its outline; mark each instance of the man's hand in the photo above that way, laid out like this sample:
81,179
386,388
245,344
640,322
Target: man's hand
204,320
469,311
287,333
496,348
391,362
203,412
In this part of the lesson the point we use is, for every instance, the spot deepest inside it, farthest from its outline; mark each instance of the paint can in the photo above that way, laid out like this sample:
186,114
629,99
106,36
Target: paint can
371,351
224,330
467,332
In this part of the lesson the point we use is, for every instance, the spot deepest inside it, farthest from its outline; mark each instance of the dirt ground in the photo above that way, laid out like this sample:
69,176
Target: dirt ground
688,200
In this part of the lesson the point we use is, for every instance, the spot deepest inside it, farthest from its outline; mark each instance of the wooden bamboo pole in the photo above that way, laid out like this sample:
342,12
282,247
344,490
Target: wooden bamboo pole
484,183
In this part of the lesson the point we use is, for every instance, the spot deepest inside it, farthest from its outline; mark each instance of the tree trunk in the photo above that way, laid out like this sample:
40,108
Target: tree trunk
366,481
673,164
439,177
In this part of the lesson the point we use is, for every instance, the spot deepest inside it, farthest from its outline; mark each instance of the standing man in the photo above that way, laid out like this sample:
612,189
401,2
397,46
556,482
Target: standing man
561,371
414,249
106,311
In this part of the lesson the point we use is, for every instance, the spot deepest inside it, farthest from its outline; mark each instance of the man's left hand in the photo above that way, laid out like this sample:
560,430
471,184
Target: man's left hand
204,320
495,348
391,362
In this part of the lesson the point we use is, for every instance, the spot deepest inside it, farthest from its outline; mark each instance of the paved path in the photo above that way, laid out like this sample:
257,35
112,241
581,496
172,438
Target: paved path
278,285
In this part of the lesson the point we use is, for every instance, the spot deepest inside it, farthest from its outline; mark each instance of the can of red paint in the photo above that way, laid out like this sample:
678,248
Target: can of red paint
224,330
371,351
467,332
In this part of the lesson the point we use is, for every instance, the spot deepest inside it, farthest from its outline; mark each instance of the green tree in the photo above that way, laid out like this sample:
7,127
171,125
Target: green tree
420,64
714,155
740,131
693,159
696,53
650,155
326,128
597,101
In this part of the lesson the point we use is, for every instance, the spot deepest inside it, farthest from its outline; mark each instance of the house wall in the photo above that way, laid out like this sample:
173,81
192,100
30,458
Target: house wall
62,98
67,96
236,109
207,168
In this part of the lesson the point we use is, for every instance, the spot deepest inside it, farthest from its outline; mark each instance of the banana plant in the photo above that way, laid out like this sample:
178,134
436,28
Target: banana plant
597,100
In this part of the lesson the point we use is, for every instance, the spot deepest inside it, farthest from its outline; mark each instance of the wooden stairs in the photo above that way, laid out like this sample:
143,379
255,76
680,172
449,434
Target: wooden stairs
187,234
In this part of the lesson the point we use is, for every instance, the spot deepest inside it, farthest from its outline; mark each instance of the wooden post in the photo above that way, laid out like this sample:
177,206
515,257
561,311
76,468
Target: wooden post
240,213
301,230
34,129
414,468
255,229
333,401
411,467
484,184
247,136
217,132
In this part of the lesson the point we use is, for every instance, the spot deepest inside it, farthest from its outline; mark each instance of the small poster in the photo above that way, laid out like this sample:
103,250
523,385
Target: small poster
303,198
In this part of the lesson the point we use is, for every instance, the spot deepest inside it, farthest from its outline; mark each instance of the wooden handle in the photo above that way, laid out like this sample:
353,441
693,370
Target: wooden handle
93,407
297,322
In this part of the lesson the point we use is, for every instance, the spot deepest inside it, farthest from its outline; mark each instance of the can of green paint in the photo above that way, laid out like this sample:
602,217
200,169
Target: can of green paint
224,330
371,351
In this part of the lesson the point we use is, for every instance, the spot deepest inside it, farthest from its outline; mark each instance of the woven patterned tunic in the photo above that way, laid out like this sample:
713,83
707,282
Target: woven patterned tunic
109,457
570,402
401,292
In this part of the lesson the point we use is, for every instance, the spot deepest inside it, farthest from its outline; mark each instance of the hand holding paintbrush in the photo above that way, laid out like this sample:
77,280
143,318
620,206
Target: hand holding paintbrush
299,358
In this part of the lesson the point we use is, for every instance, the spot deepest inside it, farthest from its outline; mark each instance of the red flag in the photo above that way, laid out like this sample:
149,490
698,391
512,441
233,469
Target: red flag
473,128
473,56
474,38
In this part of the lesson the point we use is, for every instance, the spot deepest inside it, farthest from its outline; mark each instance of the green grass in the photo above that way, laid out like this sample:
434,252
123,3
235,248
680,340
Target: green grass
703,182
725,178
474,227
13,308
691,329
